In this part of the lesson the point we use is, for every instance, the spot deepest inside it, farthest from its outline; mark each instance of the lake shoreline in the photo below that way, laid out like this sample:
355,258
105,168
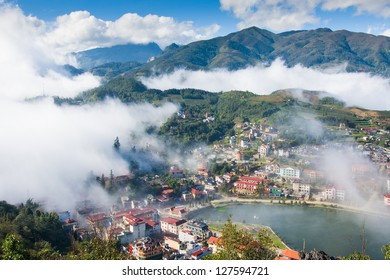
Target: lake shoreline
225,201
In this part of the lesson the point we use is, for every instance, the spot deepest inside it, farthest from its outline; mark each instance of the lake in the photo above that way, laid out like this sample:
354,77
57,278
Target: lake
336,232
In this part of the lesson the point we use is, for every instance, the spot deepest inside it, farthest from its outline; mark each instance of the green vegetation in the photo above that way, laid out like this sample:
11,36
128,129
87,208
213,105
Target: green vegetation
386,251
252,46
98,249
29,233
210,117
239,244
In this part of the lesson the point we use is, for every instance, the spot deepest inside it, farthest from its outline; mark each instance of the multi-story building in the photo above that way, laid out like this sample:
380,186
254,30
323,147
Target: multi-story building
146,249
171,225
313,176
289,172
242,187
301,189
198,228
263,150
333,193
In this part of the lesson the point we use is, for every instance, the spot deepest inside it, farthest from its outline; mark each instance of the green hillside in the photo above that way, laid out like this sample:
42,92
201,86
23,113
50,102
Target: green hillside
311,48
277,109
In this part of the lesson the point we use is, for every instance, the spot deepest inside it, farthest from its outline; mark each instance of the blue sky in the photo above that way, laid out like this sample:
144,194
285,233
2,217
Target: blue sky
74,25
204,13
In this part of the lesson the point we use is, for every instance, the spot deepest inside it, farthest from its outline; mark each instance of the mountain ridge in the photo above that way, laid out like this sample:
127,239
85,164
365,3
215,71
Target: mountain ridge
139,53
311,48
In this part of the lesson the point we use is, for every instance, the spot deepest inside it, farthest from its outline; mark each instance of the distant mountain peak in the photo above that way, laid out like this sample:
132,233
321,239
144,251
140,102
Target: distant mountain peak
140,53
310,48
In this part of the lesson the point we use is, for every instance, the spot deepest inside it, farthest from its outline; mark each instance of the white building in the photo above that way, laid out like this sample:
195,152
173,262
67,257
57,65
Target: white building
289,172
332,193
186,235
302,189
172,225
263,150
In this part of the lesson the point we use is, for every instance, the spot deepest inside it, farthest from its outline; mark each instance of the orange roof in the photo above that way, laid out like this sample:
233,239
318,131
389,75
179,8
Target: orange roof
289,254
168,191
214,240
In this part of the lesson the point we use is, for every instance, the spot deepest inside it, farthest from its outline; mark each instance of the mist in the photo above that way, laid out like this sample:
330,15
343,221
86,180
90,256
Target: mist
49,151
355,89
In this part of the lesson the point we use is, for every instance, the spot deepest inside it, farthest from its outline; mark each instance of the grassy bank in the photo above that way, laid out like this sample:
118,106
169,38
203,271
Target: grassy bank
252,229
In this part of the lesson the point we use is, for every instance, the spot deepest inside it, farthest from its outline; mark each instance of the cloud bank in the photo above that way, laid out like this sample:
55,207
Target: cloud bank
282,15
356,89
47,151
28,67
79,30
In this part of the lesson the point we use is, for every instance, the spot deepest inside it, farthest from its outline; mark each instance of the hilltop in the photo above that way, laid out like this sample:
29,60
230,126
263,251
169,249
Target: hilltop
225,109
359,52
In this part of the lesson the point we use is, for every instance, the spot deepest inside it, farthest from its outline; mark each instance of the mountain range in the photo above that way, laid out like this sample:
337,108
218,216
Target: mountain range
320,48
311,48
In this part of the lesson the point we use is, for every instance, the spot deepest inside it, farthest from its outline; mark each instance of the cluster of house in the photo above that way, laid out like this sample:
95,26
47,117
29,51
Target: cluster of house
145,232
265,183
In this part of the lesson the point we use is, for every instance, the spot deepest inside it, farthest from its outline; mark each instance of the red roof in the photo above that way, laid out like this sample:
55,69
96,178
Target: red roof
116,230
249,178
246,183
387,195
134,221
197,253
135,212
178,210
149,222
176,171
173,221
97,217
167,192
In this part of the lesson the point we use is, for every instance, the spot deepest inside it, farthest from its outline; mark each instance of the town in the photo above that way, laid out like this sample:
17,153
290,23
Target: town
251,165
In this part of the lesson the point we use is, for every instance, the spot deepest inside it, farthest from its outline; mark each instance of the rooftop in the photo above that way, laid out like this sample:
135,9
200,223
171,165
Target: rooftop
173,221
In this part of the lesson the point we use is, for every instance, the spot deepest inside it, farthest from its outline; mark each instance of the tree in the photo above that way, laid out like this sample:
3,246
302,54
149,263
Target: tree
44,251
98,249
13,248
386,251
116,144
237,244
357,256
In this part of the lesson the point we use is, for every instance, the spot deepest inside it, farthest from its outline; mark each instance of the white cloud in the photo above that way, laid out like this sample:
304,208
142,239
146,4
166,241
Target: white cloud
47,151
386,33
282,15
27,66
278,15
80,30
358,89
377,7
